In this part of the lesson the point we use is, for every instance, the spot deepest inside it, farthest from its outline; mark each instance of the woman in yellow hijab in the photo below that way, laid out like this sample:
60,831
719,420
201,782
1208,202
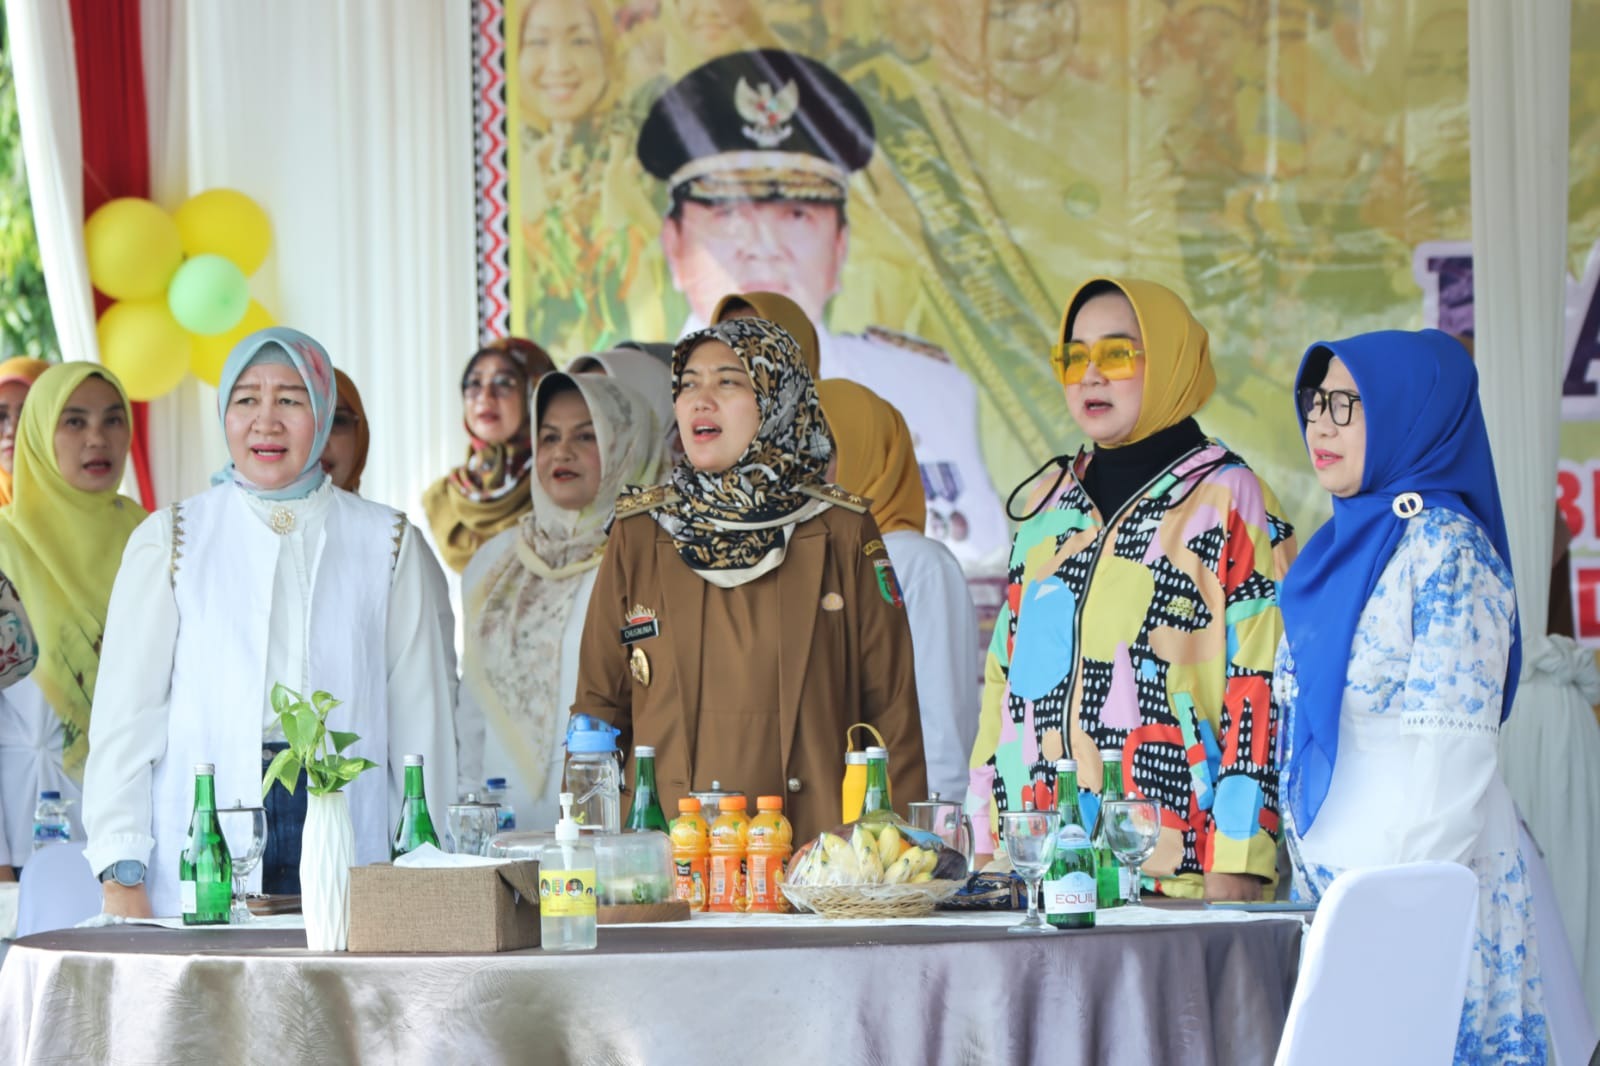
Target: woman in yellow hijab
780,311
61,542
16,378
873,457
1141,615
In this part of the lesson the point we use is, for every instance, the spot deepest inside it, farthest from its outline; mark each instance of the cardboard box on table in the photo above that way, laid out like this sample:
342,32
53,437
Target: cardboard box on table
460,910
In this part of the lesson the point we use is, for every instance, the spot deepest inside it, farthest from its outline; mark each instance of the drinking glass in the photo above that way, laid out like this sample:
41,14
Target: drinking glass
245,830
1133,826
471,826
1030,839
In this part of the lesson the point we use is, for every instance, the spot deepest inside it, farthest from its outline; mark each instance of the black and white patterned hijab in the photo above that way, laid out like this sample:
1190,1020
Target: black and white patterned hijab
733,526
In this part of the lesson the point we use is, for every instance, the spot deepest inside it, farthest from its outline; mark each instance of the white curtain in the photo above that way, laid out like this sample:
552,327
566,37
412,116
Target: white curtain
351,124
1551,746
46,72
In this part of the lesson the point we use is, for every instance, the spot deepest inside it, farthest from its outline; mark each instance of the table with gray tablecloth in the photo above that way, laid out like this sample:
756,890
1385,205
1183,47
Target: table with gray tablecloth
1195,988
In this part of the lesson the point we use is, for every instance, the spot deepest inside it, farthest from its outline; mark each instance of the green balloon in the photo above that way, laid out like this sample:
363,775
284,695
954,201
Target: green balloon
208,295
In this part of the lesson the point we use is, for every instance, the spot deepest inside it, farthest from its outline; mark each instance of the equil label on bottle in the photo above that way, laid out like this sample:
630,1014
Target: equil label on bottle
1072,894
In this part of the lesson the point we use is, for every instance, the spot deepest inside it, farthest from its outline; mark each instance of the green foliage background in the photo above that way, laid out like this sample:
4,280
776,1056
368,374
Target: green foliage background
26,327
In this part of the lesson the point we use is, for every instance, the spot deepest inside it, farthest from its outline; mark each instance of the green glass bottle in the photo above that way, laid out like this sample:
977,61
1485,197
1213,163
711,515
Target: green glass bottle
1110,874
876,800
205,869
1071,889
416,827
646,811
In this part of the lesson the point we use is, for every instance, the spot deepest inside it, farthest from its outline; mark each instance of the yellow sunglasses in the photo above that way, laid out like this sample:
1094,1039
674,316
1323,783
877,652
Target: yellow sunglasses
1116,358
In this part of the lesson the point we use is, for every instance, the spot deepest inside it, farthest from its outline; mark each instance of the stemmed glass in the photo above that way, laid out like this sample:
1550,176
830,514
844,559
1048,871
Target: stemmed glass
245,830
1132,828
1030,839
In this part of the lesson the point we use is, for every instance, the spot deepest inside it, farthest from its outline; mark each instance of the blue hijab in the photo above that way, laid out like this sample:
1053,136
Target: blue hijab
1425,434
284,347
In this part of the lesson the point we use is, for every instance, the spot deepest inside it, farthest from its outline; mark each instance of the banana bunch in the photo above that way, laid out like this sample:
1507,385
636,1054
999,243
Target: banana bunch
878,855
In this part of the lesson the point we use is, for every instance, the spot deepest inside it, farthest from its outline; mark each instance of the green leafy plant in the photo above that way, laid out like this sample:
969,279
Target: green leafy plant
313,747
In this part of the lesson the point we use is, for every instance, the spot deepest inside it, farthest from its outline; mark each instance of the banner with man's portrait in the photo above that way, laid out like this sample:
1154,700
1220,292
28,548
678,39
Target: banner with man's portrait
931,179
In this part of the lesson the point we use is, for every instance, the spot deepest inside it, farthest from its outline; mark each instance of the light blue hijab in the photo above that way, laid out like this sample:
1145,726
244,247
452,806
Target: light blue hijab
282,346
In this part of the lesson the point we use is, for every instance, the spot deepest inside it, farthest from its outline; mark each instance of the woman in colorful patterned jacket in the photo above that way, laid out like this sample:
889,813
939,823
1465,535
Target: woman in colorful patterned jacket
1142,609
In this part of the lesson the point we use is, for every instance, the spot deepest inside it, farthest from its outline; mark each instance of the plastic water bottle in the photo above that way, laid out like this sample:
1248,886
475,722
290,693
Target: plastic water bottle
494,791
594,775
50,822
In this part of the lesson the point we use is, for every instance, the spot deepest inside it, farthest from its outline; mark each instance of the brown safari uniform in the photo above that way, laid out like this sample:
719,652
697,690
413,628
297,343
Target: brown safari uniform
754,686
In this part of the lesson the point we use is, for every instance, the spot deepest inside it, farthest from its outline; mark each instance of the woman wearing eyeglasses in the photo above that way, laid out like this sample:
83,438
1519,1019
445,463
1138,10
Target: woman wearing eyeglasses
1141,612
1401,655
489,492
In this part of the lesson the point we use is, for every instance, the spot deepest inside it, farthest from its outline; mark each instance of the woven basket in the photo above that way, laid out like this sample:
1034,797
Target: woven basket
872,901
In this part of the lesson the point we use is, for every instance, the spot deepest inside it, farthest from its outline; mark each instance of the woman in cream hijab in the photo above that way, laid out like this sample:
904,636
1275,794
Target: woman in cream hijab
1141,610
873,458
650,379
527,591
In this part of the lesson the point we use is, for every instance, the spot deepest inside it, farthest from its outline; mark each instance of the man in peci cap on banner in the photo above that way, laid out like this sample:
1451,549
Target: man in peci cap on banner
757,149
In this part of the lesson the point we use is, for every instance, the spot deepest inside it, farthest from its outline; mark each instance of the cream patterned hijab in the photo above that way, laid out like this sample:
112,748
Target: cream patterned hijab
516,615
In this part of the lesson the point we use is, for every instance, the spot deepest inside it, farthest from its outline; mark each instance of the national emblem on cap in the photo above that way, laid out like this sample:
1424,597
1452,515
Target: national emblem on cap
767,113
758,125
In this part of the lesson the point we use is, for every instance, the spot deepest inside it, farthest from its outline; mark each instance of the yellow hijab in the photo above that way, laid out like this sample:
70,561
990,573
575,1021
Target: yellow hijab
875,455
782,312
26,370
1178,376
61,547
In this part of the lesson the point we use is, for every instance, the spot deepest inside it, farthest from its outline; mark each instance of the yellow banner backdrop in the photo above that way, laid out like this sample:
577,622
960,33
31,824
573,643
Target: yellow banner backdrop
1277,162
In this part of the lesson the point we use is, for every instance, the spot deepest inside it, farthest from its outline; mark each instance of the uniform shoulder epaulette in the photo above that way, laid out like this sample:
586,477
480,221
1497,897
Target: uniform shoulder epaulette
644,502
908,342
838,497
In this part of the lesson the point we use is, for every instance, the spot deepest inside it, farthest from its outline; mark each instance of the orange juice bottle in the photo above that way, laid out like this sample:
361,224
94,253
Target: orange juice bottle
728,839
770,839
691,838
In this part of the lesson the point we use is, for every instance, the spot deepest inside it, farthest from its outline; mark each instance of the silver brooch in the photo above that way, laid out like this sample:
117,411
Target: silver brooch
281,521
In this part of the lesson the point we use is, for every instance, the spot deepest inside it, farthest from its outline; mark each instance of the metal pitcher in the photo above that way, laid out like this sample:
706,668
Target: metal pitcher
944,819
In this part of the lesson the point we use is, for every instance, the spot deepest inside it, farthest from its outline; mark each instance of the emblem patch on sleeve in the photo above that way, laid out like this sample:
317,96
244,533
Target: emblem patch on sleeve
888,584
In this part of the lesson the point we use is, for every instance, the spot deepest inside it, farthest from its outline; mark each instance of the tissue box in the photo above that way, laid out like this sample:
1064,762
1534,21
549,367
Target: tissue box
457,911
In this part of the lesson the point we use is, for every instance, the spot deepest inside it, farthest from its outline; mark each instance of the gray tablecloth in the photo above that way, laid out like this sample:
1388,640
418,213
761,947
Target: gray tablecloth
1180,994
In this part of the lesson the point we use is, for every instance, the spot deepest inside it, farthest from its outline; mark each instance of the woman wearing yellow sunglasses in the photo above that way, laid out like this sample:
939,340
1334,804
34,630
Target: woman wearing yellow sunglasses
1141,612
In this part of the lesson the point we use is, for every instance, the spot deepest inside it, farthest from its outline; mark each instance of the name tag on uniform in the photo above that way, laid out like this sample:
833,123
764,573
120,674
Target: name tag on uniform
642,625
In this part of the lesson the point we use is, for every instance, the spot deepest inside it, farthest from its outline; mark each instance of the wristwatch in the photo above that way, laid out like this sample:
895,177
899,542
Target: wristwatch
129,873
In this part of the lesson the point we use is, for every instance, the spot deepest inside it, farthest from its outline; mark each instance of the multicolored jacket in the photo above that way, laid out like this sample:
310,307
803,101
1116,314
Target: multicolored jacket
1154,633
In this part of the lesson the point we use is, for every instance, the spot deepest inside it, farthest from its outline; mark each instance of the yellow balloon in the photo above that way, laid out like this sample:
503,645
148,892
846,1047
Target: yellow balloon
208,354
144,346
133,249
228,223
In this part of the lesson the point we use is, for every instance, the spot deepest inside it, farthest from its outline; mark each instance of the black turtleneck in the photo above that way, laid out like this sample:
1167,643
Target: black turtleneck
1115,474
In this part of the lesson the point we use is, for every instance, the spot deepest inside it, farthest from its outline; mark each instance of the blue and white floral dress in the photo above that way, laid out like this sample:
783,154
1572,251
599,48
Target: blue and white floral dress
1416,778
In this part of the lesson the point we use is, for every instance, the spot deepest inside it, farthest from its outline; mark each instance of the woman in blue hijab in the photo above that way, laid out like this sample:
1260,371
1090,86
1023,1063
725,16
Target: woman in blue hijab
1400,657
272,575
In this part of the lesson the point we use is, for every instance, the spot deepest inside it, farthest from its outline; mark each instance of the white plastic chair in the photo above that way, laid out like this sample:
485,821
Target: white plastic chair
1384,974
58,890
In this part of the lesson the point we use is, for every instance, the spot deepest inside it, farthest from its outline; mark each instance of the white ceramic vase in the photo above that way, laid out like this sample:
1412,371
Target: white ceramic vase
327,851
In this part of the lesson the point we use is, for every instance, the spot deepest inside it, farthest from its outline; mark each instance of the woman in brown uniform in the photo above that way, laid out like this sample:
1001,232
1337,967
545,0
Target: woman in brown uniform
746,612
